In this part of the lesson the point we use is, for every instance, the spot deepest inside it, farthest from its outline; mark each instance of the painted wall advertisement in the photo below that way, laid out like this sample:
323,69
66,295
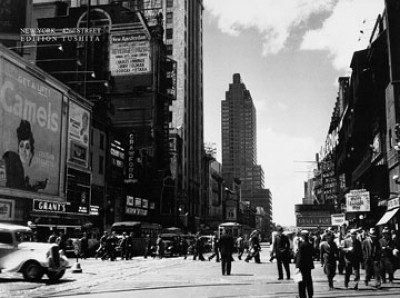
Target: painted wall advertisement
129,53
78,132
30,131
358,200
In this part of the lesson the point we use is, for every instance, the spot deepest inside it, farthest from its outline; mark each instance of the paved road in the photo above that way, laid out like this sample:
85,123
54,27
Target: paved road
176,277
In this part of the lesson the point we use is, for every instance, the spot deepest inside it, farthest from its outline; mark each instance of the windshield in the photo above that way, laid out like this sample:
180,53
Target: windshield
24,236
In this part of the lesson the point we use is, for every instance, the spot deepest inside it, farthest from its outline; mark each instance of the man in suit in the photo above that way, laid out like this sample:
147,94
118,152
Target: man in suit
281,251
226,249
304,265
352,257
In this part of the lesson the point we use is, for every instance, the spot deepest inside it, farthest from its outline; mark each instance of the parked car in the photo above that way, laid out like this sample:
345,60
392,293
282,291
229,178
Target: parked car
32,259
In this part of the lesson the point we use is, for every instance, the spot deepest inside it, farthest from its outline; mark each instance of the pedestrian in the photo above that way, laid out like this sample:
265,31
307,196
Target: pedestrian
226,244
281,251
254,247
352,258
387,259
304,265
296,243
53,237
111,244
160,247
198,249
329,255
240,246
214,247
343,234
184,248
147,246
84,246
101,251
371,249
62,241
123,245
129,242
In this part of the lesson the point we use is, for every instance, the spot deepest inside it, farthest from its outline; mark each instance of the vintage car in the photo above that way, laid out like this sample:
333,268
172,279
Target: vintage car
32,259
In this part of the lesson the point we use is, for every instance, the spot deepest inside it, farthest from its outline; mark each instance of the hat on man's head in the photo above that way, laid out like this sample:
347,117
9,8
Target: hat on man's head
353,232
373,232
304,233
279,228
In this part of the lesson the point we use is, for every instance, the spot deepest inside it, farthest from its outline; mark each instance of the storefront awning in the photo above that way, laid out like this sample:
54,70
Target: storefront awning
387,216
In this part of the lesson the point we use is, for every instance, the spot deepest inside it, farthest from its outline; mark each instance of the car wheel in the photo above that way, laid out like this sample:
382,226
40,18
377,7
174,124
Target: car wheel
32,271
54,276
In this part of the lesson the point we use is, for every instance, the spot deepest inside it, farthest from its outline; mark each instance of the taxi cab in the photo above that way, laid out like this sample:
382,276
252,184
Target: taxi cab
32,259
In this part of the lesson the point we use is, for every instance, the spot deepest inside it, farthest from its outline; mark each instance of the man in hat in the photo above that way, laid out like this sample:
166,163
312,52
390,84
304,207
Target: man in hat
371,249
329,254
352,258
281,250
304,265
226,248
387,246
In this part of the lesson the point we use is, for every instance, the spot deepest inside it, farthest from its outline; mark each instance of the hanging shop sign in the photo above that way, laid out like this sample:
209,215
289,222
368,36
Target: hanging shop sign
393,203
130,176
358,201
338,219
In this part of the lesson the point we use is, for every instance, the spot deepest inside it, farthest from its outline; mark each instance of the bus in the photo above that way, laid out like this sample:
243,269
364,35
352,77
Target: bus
139,230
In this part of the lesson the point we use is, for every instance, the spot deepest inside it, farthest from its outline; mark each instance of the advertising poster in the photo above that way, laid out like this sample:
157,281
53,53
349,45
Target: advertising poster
358,201
30,131
6,209
129,53
78,131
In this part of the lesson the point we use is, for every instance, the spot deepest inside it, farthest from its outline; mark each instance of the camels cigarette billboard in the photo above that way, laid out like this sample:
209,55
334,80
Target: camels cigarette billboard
30,131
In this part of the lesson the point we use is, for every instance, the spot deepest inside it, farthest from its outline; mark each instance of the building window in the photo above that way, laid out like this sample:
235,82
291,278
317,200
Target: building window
170,3
101,167
101,141
169,17
169,49
168,33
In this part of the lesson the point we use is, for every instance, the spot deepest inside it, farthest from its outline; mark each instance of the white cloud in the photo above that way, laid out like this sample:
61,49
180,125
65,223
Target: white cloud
341,33
273,19
282,157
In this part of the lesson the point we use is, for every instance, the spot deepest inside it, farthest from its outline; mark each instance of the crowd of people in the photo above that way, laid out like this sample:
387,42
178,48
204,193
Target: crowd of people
343,251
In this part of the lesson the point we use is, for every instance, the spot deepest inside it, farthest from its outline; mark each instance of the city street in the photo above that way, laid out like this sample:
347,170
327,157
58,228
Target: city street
176,277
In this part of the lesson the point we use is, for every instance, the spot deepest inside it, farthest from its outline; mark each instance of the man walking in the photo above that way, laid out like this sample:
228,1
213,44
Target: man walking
281,250
240,246
371,249
329,254
304,265
226,249
352,258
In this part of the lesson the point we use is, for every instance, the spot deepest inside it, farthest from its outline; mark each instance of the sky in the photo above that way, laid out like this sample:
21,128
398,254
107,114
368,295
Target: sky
290,54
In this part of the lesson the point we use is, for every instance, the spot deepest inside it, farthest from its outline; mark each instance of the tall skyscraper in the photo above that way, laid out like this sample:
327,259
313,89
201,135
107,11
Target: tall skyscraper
184,42
239,147
239,137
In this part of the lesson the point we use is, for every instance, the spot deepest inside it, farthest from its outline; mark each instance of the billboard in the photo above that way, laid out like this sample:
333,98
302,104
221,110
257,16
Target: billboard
358,201
78,135
30,131
129,53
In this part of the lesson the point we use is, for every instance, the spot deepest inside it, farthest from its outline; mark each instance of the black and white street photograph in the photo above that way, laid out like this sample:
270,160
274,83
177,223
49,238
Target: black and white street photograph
199,148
